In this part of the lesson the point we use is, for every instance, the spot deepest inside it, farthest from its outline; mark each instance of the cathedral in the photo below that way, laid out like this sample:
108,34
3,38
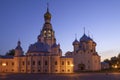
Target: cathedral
85,57
45,55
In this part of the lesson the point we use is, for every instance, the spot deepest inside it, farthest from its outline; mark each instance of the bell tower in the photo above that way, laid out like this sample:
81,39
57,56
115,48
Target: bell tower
47,34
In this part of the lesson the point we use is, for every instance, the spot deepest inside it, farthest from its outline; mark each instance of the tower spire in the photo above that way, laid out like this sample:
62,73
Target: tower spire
47,7
88,34
75,36
18,43
84,29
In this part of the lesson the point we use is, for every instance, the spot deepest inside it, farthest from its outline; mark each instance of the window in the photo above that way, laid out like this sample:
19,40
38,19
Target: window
6,63
55,62
23,63
28,62
68,70
39,63
12,63
22,70
12,70
68,63
56,70
49,35
33,62
44,31
91,50
38,70
33,70
62,62
49,31
46,63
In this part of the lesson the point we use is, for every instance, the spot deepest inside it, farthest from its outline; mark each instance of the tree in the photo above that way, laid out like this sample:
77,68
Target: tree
114,61
118,60
10,52
107,61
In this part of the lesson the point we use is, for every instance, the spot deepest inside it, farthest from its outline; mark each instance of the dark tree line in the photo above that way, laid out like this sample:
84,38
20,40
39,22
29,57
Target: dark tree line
113,61
10,52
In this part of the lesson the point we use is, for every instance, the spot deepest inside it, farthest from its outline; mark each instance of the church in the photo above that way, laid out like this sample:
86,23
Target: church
45,55
84,54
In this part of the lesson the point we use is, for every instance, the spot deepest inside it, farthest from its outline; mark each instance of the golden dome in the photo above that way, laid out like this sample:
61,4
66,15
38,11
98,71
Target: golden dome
47,15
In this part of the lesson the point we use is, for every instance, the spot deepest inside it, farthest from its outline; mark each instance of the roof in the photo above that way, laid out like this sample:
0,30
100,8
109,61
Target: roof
7,57
19,48
85,38
39,47
54,45
66,57
75,42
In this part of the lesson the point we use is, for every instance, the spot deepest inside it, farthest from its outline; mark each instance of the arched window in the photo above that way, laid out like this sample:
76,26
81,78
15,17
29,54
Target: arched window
62,62
38,70
39,63
56,70
68,63
33,62
68,70
23,63
46,63
6,63
56,63
12,63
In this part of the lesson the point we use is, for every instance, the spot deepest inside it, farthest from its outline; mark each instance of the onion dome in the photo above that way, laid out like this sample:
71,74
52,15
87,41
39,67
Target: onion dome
94,43
84,38
90,39
19,46
47,15
75,42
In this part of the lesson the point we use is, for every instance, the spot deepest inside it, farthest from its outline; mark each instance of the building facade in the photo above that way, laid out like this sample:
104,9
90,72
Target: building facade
45,55
84,55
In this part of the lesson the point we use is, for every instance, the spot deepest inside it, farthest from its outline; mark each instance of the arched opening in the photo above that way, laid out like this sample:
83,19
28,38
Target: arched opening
81,67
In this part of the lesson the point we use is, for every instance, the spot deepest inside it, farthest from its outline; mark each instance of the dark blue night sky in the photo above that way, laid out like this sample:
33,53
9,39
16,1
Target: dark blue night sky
23,19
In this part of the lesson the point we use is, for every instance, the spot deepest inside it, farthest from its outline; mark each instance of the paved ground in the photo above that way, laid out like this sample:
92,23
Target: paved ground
80,76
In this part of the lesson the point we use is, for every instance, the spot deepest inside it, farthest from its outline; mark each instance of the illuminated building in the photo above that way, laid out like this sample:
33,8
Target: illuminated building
84,55
44,56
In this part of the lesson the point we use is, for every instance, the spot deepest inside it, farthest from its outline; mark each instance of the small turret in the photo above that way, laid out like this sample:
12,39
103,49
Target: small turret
18,49
76,45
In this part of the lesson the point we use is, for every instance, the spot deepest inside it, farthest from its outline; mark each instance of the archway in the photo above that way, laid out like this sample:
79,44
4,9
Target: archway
81,67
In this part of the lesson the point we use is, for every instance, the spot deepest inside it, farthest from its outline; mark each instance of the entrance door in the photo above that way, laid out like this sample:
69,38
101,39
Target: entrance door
81,67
